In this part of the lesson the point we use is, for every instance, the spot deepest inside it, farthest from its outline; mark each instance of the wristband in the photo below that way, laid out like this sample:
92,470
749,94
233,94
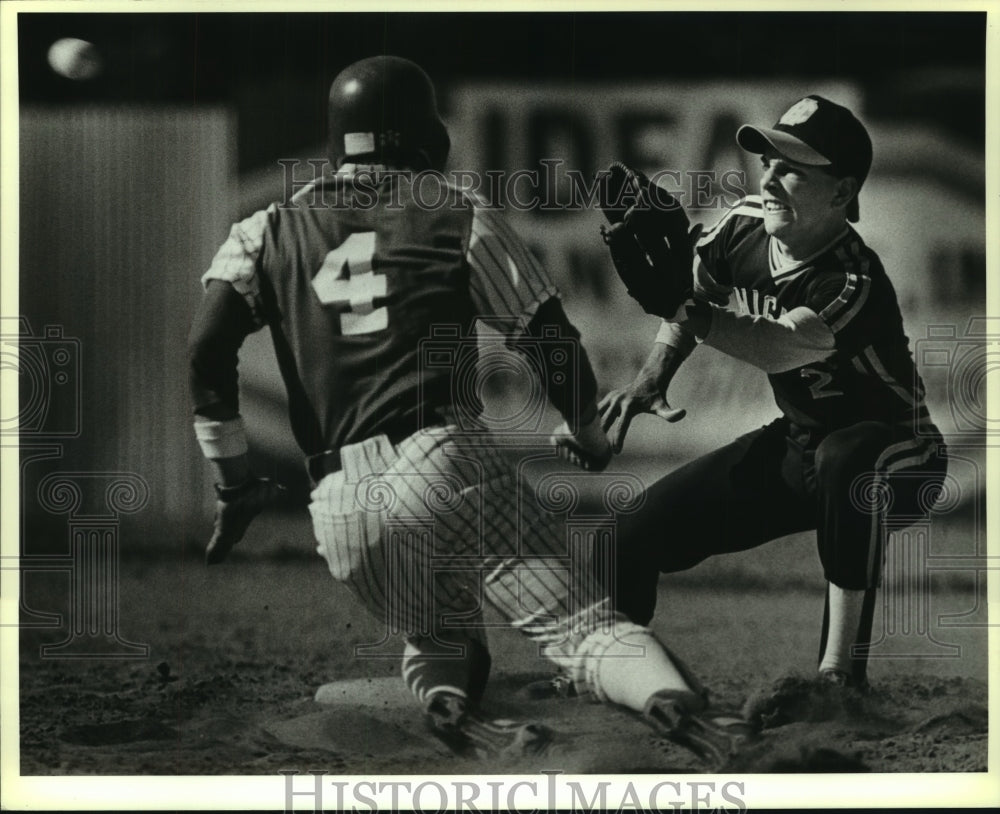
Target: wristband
221,439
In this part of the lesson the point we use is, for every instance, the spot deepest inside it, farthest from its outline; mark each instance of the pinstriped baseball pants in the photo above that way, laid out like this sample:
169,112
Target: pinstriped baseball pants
423,533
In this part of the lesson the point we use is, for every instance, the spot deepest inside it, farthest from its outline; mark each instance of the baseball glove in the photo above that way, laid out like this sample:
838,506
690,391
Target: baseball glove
235,508
650,238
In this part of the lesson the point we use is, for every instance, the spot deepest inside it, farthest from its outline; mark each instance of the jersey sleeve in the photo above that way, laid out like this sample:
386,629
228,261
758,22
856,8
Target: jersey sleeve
713,276
221,323
706,287
847,300
794,339
507,283
238,260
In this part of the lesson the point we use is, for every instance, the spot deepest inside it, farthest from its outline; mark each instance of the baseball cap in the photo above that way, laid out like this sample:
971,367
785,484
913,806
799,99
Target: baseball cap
819,133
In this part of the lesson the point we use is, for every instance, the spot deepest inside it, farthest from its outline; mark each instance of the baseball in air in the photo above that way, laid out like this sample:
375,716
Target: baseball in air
75,59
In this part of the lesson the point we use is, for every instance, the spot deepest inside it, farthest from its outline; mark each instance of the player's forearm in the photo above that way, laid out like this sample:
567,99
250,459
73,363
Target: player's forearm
570,388
218,331
674,343
795,339
221,324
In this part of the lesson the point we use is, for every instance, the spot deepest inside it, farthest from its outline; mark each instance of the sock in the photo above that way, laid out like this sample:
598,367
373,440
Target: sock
428,669
630,665
844,618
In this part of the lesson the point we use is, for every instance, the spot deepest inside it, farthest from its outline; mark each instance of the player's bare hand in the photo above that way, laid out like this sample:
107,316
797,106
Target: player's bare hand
619,407
235,509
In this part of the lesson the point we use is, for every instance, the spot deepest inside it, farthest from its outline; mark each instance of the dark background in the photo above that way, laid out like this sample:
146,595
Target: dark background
276,68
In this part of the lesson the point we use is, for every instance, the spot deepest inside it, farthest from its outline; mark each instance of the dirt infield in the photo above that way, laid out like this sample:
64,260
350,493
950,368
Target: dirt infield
238,652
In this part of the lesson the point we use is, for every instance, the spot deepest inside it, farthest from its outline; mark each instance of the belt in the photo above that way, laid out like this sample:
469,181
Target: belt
322,464
325,463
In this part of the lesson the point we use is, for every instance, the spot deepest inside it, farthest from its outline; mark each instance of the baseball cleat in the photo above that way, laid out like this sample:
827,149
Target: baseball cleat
839,678
714,736
469,735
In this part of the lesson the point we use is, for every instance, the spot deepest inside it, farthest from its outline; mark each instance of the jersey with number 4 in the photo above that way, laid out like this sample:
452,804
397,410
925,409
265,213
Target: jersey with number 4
870,375
371,284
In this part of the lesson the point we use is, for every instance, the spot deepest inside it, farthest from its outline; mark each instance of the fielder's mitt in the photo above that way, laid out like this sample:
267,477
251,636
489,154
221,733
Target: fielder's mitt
650,238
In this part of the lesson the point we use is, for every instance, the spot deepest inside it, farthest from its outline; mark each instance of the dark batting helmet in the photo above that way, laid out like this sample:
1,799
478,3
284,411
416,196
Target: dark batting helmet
384,110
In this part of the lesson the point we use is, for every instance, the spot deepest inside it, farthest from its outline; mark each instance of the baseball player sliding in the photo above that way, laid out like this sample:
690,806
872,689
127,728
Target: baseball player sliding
417,512
784,283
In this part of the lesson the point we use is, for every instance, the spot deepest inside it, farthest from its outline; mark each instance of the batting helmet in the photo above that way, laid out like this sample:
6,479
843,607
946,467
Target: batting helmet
383,109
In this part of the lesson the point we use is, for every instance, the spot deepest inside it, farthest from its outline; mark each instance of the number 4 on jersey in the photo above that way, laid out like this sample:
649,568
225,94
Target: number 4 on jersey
346,283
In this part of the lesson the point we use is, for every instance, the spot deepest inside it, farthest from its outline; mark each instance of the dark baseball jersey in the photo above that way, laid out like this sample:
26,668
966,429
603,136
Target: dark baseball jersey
371,290
869,374
354,275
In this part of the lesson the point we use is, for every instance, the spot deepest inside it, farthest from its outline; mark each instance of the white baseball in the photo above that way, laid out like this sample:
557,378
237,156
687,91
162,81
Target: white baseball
75,59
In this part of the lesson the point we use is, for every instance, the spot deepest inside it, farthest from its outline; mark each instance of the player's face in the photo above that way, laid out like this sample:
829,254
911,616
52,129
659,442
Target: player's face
799,202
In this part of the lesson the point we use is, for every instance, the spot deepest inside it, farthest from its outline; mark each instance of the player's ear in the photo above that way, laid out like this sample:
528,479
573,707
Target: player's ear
844,190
